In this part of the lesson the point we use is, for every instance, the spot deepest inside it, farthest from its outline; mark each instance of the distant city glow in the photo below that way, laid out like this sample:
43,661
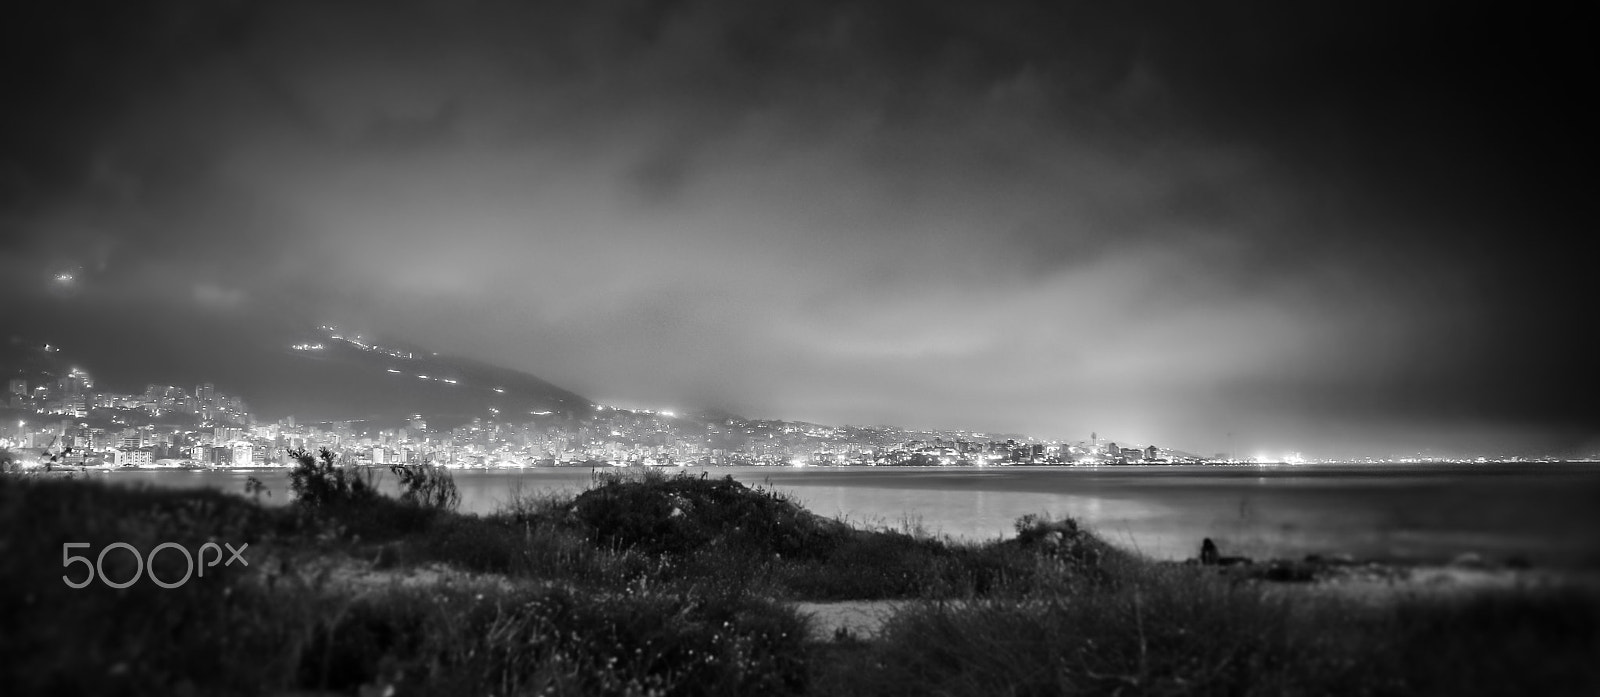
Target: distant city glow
611,434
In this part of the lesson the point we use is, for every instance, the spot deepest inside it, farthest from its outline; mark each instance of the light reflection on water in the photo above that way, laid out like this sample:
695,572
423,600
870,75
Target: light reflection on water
1549,514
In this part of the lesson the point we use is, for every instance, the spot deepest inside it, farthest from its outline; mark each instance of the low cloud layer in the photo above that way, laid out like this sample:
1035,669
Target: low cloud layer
1338,228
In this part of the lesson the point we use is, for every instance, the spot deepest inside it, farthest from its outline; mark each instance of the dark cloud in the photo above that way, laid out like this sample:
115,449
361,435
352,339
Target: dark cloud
1328,224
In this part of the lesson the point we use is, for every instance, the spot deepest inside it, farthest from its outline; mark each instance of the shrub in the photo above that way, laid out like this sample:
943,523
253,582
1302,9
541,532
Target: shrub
317,482
680,514
1061,539
427,485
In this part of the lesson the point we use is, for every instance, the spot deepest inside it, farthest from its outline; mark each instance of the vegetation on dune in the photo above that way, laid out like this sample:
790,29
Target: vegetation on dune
660,514
1178,630
670,585
544,641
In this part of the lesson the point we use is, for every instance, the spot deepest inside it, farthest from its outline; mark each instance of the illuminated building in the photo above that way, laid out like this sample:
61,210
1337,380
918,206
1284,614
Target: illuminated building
130,457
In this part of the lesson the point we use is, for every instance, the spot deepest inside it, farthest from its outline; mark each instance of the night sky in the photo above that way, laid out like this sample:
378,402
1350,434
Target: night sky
1342,228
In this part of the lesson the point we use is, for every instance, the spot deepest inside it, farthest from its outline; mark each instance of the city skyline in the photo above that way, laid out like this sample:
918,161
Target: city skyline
171,426
1336,228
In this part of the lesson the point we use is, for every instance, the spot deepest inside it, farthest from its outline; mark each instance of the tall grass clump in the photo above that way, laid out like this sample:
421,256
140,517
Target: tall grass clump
1150,628
555,641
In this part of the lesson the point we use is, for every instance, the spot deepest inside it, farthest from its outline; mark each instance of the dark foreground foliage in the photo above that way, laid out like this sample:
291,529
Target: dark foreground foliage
319,482
658,514
1177,630
428,486
679,586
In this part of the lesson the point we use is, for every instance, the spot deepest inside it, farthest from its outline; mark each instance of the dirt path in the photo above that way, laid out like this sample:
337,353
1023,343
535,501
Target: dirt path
861,618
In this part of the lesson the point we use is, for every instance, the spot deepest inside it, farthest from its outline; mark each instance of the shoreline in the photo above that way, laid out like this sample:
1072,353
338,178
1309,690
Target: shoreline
898,500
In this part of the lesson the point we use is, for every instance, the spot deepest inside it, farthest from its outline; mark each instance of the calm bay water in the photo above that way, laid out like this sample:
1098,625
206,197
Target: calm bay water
1548,514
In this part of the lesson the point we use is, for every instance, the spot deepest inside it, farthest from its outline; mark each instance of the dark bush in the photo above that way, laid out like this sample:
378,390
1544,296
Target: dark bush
427,485
1061,539
679,514
317,482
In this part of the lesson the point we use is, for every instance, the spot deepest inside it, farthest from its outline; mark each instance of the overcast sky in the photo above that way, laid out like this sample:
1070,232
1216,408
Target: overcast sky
1335,227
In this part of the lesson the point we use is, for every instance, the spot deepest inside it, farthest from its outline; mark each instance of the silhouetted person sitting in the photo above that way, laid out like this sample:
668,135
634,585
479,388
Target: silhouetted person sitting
1208,552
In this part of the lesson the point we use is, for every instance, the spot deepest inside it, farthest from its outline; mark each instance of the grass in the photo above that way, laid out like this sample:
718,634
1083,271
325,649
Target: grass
682,586
1177,632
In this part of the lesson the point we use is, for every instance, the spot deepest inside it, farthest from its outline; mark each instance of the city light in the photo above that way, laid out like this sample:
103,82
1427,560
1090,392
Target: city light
619,435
